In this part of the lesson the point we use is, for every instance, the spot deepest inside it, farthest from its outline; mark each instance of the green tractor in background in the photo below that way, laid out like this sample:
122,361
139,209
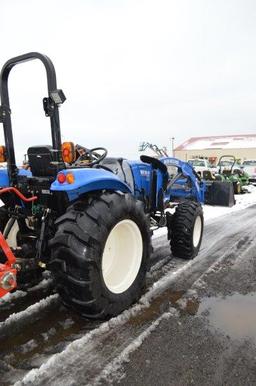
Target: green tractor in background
229,170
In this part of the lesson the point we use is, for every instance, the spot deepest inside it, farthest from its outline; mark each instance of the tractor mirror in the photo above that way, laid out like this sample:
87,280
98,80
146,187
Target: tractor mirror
68,152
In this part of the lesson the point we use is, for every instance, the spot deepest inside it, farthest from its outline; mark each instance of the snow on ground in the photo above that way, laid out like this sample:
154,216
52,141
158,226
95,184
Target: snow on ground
212,212
9,297
28,346
73,350
242,202
28,312
112,370
45,283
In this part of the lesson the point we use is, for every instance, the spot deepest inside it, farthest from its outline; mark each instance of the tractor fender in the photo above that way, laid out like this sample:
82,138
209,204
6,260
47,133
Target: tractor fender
89,180
4,177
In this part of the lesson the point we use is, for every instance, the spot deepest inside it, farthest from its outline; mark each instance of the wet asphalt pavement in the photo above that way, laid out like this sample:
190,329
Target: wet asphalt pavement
211,340
194,325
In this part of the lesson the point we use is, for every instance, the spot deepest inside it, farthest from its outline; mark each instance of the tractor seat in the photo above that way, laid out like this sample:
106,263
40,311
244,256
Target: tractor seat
208,175
238,171
226,173
41,161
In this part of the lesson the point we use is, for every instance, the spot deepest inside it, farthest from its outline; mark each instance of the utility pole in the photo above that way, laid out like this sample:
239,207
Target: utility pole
172,141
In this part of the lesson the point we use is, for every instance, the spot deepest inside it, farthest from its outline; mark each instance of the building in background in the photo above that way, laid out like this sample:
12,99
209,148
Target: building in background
213,147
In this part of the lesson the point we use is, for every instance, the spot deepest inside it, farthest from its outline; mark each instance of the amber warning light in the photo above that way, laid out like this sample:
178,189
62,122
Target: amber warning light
68,152
2,154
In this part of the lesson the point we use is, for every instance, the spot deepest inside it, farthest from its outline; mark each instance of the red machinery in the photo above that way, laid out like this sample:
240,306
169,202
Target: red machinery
8,270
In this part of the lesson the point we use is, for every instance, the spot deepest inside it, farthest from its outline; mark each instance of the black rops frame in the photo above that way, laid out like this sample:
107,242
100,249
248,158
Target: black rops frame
50,107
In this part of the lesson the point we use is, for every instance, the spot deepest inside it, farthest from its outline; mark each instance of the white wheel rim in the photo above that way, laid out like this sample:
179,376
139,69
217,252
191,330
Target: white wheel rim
197,231
122,256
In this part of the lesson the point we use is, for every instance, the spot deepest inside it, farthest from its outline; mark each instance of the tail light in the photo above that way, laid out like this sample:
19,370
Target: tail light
68,152
69,178
61,178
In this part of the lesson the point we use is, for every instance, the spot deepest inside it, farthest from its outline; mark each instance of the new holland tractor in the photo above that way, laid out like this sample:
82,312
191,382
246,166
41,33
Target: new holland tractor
86,217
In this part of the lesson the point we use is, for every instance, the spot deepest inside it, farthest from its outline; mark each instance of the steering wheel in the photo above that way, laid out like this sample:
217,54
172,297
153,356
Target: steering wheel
90,157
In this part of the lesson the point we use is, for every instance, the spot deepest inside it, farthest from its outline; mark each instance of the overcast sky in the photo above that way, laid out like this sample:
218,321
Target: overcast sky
133,71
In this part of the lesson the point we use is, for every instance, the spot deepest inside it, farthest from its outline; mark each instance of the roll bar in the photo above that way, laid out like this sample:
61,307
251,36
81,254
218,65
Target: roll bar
50,103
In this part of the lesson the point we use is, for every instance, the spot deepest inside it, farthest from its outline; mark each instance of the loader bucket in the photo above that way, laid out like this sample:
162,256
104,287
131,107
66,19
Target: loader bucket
220,193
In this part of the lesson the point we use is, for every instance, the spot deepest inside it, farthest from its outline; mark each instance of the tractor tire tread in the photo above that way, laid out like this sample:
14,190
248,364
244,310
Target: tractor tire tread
77,247
181,230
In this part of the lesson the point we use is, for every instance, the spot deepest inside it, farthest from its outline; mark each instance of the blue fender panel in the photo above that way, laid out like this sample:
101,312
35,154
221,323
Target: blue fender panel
4,178
142,177
88,180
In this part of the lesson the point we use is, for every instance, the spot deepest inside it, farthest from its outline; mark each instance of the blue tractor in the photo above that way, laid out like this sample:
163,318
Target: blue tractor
86,217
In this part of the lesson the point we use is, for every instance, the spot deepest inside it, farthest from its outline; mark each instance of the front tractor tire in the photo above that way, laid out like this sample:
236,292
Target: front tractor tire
100,253
186,230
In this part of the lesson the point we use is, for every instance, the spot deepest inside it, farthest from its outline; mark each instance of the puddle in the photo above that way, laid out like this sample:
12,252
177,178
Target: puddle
234,315
157,307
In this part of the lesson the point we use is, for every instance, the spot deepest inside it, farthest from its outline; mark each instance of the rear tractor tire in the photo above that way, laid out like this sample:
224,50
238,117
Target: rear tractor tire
100,253
185,230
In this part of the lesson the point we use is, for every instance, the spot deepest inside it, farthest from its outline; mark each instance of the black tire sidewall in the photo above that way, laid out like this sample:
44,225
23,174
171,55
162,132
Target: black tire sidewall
182,230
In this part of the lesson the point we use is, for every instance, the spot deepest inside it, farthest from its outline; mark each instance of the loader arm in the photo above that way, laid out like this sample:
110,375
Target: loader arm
184,171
